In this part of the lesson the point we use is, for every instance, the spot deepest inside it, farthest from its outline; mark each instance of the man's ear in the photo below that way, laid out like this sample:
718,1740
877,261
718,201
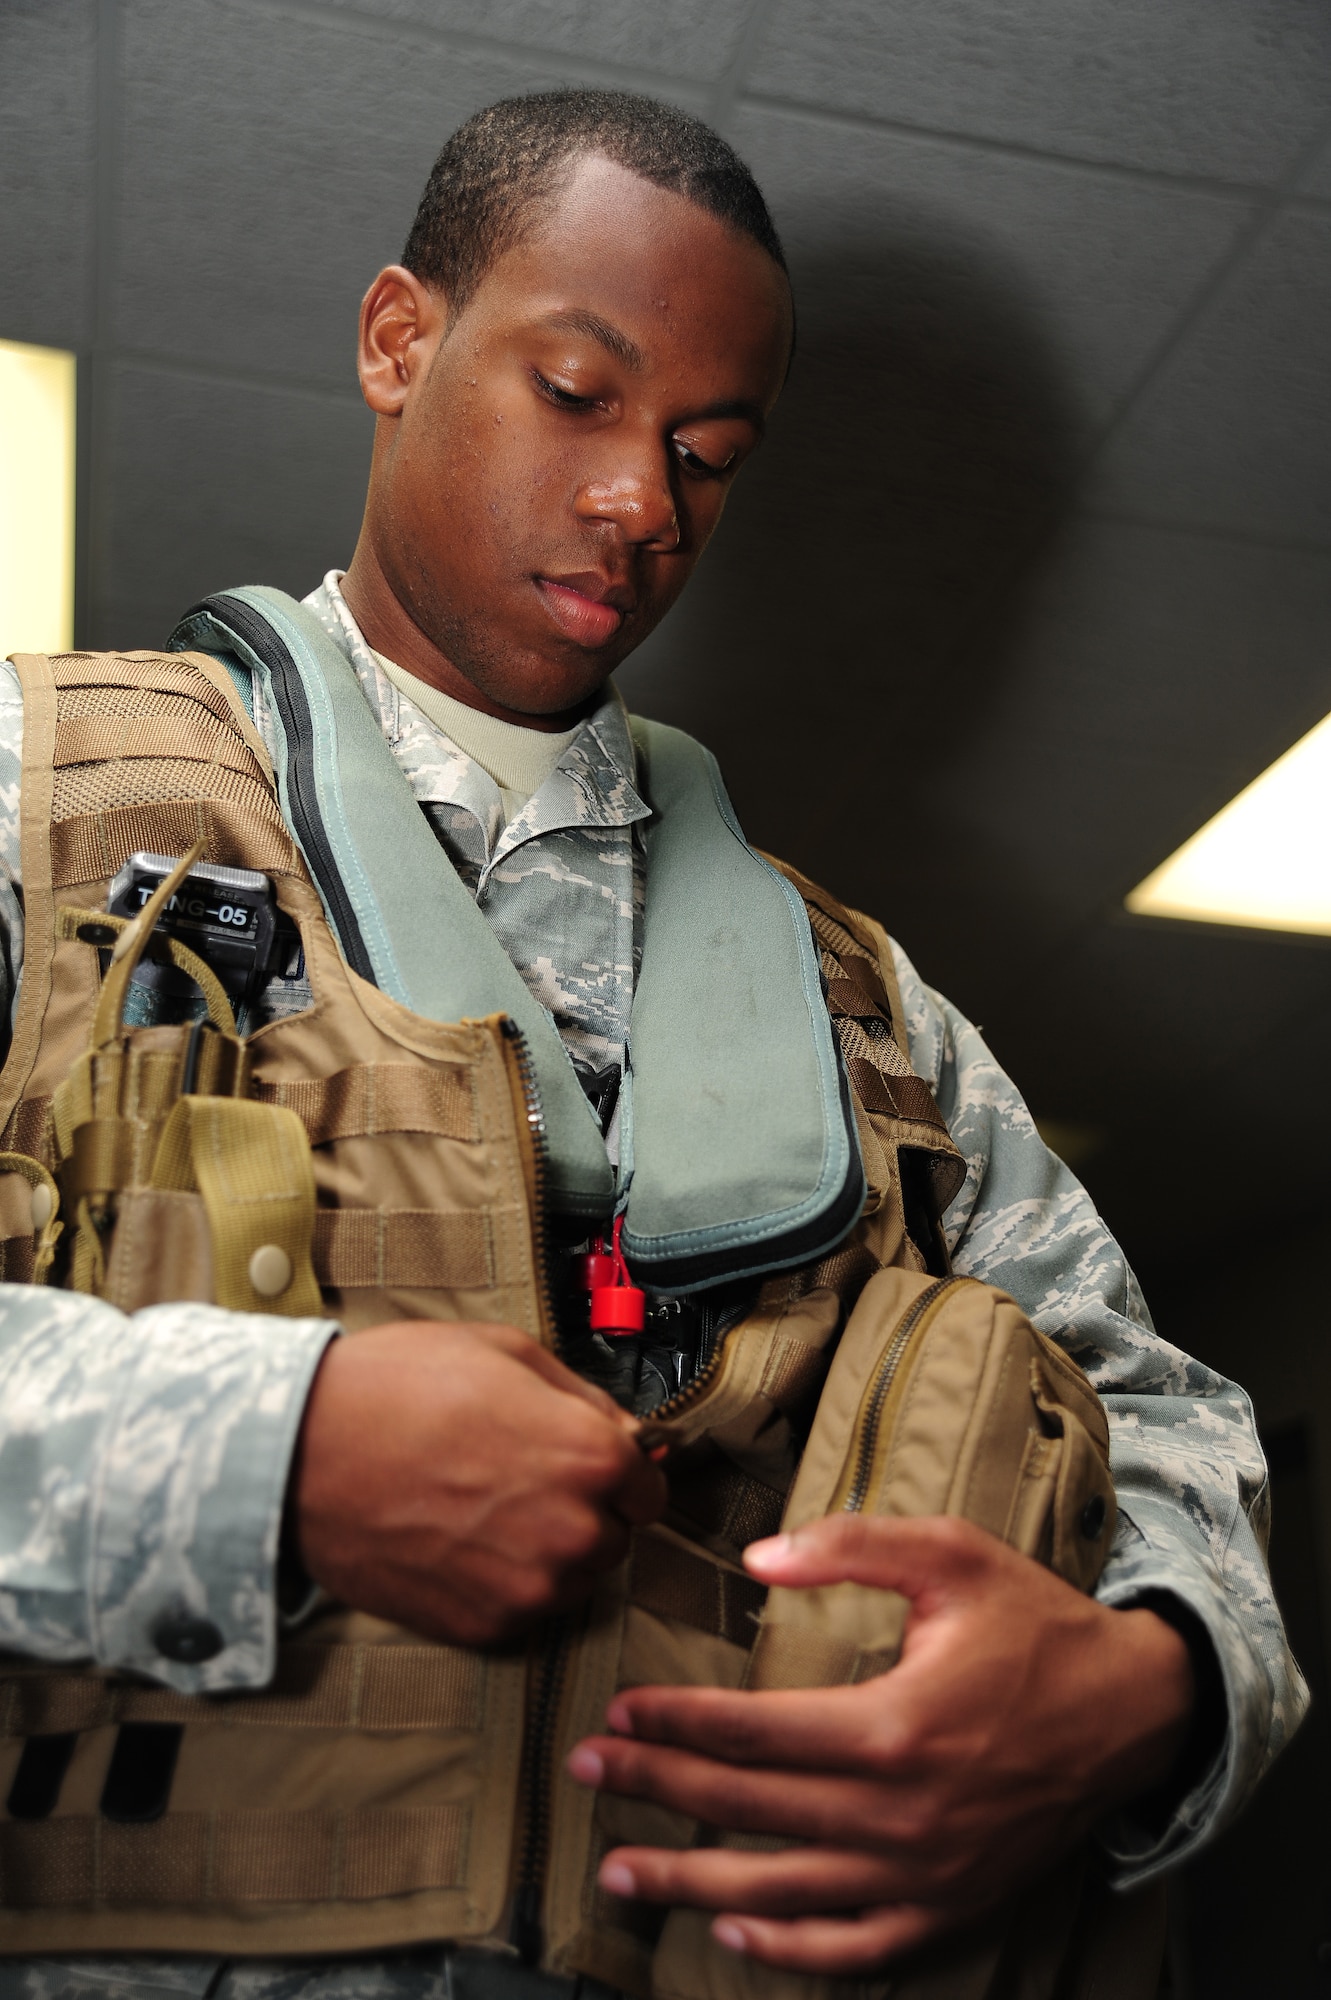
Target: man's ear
401,321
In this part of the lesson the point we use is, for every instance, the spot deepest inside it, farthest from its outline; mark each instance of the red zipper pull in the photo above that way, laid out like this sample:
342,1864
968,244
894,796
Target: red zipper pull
597,1268
618,1305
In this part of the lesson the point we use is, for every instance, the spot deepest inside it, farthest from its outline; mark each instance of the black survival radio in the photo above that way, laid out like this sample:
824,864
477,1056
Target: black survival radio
227,916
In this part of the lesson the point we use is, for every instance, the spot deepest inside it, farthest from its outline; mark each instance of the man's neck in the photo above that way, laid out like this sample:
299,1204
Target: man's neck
389,628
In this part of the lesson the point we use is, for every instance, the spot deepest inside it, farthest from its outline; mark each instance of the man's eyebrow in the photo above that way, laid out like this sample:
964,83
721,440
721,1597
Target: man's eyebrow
751,412
577,319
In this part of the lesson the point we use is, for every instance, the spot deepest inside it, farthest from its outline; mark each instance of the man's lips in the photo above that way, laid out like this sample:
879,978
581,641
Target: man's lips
582,608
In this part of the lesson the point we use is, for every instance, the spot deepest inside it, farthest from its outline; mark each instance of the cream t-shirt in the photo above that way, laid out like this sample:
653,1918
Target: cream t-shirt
519,760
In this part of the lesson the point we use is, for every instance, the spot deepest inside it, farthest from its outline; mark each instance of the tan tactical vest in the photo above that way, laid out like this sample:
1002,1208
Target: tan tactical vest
383,1790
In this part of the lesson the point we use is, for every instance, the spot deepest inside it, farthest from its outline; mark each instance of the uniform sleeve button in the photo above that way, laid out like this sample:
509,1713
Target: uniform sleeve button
187,1640
1093,1517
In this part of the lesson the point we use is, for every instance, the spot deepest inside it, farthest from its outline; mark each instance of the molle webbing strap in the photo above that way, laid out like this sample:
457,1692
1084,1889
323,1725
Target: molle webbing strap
907,1097
859,984
93,739
202,1860
29,1129
360,1248
156,752
123,680
373,1098
865,1006
670,1580
90,847
316,1686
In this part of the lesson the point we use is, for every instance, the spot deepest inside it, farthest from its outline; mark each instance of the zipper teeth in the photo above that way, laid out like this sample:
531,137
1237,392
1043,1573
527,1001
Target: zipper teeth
538,1760
887,1369
255,632
705,1376
540,1145
691,1390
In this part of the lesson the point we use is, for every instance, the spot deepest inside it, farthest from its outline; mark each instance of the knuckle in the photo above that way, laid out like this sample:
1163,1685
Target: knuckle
570,1537
526,1593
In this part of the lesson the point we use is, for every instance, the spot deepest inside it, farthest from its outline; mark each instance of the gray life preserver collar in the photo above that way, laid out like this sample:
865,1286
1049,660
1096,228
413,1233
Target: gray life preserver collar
740,1153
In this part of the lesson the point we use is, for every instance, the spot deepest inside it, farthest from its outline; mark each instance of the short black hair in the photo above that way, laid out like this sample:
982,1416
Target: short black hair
500,169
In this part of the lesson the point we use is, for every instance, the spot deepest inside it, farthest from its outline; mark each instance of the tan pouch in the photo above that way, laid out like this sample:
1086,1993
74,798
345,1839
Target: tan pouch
177,1184
953,1404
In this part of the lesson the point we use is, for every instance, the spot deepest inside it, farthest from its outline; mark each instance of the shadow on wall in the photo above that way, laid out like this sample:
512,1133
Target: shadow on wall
864,596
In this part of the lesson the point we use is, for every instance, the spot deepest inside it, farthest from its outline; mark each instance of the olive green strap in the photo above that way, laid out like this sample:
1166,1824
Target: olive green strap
251,1163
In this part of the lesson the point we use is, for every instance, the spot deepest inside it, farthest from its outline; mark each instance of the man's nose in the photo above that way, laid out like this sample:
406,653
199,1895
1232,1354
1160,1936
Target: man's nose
637,499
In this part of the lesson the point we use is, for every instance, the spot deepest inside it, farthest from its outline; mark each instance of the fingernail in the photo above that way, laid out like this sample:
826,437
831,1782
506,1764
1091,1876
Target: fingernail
771,1550
584,1765
616,1879
619,1718
729,1934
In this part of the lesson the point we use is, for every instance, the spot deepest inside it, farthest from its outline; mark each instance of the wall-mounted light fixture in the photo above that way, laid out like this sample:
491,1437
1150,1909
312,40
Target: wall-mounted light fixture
36,499
1265,859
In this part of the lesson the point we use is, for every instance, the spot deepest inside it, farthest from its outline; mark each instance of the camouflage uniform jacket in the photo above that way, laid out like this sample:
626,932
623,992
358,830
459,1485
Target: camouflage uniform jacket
144,1461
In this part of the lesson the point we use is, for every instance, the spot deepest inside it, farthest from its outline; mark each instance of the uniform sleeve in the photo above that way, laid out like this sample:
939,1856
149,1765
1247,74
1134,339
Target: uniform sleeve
143,1467
143,1460
1187,1464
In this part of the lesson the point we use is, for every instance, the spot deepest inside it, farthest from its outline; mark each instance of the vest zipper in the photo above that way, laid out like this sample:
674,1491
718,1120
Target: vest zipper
534,1146
536,1780
871,1415
697,1385
537,1794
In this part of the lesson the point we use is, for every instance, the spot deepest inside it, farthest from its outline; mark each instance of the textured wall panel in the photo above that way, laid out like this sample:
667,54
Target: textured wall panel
258,208
688,38
1058,268
1235,432
1315,180
1230,88
47,150
217,483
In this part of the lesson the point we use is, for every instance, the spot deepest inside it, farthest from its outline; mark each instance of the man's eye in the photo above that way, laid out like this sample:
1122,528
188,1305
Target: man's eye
700,467
563,399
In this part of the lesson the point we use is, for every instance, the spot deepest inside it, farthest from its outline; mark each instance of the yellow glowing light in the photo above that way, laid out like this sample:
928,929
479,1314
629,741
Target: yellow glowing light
36,499
1265,859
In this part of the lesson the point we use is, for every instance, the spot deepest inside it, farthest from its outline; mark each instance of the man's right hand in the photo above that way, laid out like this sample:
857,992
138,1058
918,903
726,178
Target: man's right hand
459,1480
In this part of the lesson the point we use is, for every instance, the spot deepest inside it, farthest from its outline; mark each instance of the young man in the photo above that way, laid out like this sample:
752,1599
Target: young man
590,326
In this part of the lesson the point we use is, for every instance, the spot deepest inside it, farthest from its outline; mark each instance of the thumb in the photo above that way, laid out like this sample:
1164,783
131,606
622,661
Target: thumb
932,1559
521,1347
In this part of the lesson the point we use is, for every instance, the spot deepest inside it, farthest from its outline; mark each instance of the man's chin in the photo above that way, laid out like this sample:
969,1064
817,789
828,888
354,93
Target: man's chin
546,695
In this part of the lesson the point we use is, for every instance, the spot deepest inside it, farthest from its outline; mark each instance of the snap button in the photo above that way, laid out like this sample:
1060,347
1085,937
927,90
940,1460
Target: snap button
270,1270
180,1636
97,933
42,1205
1093,1517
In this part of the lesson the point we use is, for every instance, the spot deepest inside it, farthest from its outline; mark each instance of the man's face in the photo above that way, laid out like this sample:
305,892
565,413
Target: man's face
565,446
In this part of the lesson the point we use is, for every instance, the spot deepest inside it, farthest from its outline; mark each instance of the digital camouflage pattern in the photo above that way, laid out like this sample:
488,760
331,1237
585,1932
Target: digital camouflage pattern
142,1464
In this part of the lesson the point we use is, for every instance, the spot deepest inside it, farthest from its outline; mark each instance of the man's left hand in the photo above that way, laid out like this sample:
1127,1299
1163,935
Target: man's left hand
1019,1714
